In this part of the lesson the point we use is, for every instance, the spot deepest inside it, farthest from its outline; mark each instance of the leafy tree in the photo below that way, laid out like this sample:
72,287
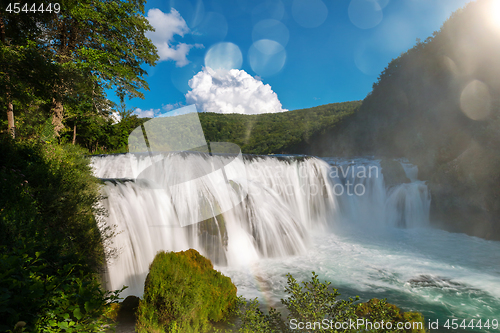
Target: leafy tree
105,40
73,55
120,131
86,107
24,72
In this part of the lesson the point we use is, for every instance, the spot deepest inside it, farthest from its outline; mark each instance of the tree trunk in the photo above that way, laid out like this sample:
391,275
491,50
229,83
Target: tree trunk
74,133
10,107
2,30
10,119
57,116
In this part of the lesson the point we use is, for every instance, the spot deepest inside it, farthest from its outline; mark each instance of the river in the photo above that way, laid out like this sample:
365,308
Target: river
333,216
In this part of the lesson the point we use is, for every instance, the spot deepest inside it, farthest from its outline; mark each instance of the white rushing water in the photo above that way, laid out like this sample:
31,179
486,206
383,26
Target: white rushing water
274,220
331,216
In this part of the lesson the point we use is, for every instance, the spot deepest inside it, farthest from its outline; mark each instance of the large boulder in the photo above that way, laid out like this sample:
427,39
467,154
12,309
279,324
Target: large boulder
184,293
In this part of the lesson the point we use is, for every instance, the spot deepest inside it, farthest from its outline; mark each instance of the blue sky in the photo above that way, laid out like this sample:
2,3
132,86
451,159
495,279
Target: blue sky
300,53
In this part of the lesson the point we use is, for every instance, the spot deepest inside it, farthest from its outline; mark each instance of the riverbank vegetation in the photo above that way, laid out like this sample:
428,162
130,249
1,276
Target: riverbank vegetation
271,133
315,306
53,242
55,68
287,132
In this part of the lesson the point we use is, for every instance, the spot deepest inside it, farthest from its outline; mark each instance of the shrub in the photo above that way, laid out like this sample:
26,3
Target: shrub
253,320
48,194
50,294
51,246
314,302
183,293
379,310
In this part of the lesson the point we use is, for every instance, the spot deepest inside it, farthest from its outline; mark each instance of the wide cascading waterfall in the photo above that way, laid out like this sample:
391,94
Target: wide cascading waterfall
272,221
286,201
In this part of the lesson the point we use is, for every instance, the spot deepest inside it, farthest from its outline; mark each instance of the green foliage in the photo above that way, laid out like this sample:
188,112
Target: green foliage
316,302
183,293
51,245
102,136
111,42
286,132
380,311
24,75
62,63
99,45
47,133
50,294
63,196
253,320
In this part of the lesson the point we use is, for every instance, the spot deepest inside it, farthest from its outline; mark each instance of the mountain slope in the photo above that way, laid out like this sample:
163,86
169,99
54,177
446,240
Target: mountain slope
286,132
438,104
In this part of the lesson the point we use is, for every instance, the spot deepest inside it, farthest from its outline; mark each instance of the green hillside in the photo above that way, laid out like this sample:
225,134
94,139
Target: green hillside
287,132
269,133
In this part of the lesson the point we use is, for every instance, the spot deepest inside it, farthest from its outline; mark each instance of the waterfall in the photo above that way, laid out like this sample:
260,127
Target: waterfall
286,201
402,205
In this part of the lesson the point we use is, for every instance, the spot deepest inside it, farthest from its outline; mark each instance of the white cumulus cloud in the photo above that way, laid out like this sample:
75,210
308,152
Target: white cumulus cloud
167,25
170,107
146,113
233,91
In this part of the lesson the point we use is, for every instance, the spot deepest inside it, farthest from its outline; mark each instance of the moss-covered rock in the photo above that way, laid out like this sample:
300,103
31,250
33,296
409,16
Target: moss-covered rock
183,293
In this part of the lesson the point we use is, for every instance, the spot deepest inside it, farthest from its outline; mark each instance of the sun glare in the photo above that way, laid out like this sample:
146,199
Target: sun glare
495,12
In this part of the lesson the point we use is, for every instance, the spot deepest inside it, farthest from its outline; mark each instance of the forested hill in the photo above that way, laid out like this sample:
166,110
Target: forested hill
286,132
438,104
